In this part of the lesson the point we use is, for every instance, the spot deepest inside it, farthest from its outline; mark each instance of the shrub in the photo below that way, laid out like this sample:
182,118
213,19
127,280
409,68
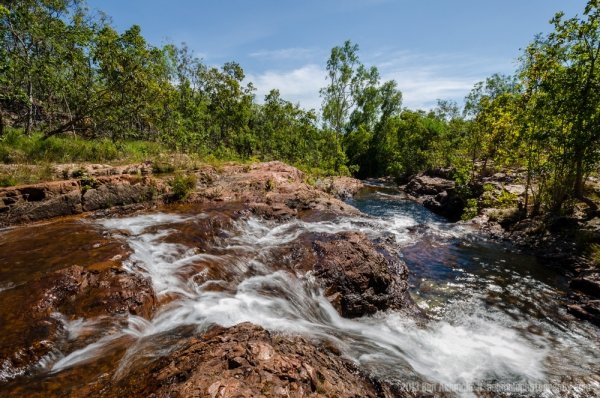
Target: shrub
470,210
182,185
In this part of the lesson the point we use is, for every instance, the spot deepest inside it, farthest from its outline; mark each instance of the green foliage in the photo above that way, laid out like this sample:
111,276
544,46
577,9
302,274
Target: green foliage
76,89
182,185
471,210
502,199
96,94
357,108
594,253
270,185
87,182
8,181
506,200
16,147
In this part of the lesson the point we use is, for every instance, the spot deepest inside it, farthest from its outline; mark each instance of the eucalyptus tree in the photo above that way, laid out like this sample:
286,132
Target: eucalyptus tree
488,106
575,47
560,73
35,37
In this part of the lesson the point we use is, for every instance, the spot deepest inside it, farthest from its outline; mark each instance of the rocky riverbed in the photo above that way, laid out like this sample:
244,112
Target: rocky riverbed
562,241
44,303
265,283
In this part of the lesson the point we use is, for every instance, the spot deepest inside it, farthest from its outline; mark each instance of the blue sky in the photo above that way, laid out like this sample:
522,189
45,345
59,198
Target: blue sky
432,48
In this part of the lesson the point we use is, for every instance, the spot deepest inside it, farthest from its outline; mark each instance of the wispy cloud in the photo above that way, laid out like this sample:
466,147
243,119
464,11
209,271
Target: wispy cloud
422,78
285,53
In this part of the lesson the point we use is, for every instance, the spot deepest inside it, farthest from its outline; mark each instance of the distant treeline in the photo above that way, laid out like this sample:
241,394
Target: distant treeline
67,71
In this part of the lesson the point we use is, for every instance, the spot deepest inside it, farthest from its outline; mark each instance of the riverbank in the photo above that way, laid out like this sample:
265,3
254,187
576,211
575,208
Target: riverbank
566,242
272,189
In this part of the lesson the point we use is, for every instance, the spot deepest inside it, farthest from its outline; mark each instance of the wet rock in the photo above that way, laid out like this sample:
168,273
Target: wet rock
589,311
437,194
446,204
588,283
340,187
32,318
277,211
359,277
245,361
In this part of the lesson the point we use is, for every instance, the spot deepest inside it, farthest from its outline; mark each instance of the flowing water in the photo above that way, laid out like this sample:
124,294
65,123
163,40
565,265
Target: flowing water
495,319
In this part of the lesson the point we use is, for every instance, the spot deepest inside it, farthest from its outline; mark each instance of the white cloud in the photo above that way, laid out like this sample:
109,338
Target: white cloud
422,78
297,85
421,87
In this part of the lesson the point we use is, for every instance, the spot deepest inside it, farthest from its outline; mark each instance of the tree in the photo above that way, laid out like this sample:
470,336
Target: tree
34,36
488,106
561,79
338,96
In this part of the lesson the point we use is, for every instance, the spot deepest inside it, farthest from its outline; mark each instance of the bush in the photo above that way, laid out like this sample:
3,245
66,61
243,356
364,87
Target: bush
182,185
470,210
7,181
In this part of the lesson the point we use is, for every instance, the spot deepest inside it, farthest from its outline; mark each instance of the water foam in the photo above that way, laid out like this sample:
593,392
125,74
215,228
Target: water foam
462,349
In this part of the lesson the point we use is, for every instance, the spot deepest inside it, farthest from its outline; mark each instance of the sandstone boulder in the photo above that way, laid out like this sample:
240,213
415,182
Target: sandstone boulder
246,361
31,315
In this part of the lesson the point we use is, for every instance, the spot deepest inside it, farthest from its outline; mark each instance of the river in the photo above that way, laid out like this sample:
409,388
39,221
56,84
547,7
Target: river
493,318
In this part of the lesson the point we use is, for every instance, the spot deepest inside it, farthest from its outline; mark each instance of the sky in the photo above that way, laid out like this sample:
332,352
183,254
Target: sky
434,49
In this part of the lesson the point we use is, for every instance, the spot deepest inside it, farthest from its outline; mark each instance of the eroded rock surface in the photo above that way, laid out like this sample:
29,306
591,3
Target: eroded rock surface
437,194
359,277
32,314
245,361
272,190
43,201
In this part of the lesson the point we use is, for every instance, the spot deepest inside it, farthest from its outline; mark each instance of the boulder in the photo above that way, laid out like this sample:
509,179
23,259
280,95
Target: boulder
31,317
274,184
588,283
244,361
446,204
425,185
437,194
359,277
340,187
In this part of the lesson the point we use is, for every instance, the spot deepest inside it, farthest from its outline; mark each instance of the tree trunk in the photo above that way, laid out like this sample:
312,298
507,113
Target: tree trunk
1,125
65,127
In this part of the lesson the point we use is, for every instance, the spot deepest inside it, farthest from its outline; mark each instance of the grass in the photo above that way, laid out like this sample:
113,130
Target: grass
29,159
182,185
17,148
11,175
